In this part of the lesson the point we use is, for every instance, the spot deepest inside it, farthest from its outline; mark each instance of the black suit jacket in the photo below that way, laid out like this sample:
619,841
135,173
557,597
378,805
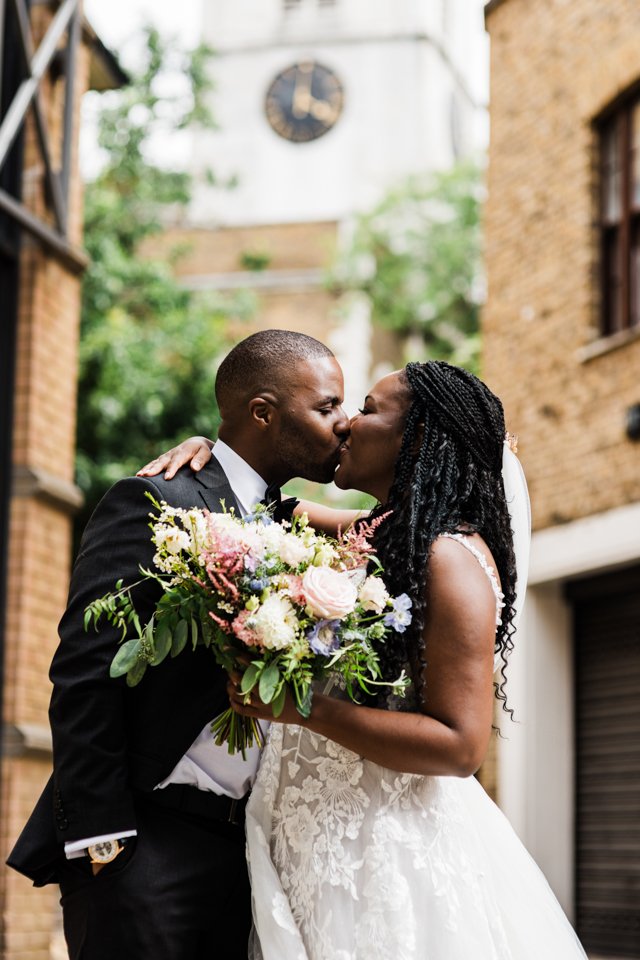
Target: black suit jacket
108,739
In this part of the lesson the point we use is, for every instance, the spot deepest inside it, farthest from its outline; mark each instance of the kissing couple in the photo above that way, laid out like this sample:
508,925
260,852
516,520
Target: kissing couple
367,835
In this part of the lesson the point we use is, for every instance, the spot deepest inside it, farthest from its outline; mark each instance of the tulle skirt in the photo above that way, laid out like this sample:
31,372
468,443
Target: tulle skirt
351,861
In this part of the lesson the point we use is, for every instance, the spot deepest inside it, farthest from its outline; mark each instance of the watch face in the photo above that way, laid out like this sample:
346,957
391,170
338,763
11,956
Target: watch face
304,102
105,851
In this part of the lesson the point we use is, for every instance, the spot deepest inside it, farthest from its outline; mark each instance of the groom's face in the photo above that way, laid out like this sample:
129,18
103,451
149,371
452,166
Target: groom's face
311,424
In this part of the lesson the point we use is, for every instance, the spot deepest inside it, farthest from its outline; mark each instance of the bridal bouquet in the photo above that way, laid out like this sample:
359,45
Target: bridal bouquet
282,603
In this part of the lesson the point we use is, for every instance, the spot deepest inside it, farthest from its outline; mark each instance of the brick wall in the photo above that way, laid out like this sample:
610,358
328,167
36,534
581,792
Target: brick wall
40,520
555,64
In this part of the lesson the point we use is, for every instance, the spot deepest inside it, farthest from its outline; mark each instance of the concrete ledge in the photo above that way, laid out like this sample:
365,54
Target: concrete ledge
590,545
26,740
44,486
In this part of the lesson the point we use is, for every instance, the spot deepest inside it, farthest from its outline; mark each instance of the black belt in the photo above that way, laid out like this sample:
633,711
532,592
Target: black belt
201,803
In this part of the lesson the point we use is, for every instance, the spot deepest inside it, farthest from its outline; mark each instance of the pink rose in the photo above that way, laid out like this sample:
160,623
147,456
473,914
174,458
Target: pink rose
329,593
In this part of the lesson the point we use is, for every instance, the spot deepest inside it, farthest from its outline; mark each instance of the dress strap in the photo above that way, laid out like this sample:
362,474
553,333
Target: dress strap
488,569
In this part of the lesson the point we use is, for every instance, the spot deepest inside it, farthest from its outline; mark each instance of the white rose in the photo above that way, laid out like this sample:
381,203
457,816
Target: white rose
330,593
373,594
293,551
275,623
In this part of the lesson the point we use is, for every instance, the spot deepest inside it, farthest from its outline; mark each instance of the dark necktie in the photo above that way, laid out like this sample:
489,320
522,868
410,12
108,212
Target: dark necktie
281,509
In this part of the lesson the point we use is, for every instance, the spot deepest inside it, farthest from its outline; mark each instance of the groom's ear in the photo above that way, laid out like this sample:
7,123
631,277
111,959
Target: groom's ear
261,411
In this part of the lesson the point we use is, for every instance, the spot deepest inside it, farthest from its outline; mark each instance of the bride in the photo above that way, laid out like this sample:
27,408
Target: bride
368,835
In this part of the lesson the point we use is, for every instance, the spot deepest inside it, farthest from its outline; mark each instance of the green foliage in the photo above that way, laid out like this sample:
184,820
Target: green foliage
149,348
416,257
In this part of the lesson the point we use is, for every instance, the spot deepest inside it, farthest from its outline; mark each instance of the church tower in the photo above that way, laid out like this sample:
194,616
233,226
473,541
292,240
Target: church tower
322,106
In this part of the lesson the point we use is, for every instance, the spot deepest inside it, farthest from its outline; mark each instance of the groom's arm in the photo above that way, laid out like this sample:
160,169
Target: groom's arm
88,709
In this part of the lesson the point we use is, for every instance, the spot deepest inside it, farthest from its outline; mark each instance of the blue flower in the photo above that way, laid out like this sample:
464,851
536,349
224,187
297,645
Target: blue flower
400,616
259,514
257,585
324,637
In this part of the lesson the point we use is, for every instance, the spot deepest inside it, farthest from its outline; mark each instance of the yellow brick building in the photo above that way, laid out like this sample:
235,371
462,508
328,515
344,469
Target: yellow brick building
562,348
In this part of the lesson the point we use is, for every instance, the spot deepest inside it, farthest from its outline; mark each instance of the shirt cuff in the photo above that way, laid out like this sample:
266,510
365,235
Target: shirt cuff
78,848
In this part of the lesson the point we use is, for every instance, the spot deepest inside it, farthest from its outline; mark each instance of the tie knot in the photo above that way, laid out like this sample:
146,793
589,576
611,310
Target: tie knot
272,495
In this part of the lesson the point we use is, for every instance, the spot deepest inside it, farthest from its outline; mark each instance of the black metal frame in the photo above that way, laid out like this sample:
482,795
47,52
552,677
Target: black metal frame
35,62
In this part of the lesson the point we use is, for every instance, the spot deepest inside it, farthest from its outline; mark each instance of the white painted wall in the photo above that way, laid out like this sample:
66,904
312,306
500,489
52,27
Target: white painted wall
403,64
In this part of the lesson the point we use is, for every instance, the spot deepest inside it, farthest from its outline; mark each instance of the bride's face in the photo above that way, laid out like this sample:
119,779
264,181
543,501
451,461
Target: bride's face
368,457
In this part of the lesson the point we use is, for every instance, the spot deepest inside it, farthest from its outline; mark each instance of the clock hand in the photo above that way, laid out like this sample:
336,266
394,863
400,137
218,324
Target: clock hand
321,110
300,105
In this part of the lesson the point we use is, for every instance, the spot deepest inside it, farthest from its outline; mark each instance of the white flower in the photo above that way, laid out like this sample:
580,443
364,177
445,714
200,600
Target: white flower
293,551
373,594
275,623
172,539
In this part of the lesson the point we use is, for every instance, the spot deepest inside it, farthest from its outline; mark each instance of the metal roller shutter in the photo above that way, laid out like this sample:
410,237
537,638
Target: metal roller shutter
607,672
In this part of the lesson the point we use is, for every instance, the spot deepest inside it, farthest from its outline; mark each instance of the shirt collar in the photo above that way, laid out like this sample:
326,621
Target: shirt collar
248,486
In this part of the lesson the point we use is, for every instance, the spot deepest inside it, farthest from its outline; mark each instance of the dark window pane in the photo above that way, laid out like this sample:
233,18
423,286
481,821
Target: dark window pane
635,156
611,173
634,271
612,275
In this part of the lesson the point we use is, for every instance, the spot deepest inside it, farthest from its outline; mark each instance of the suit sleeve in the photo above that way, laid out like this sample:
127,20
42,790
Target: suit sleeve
88,710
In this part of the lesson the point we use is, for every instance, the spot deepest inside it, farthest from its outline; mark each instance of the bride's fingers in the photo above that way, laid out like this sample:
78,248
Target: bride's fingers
154,467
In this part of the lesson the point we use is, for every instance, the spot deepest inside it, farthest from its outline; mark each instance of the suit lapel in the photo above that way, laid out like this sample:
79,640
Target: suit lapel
214,487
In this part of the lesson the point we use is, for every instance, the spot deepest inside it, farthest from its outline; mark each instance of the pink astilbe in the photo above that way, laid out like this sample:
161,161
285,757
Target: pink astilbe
354,545
224,625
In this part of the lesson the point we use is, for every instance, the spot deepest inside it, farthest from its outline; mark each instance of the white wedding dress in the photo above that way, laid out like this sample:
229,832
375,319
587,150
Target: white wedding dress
351,861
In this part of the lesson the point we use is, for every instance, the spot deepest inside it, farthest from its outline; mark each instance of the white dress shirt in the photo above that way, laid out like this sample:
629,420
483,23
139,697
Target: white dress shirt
205,765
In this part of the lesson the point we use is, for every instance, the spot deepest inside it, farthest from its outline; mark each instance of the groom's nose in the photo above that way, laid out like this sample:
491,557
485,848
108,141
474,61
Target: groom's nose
341,426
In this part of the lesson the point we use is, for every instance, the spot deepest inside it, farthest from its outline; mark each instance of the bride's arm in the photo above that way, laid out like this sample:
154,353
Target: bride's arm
196,451
328,519
450,737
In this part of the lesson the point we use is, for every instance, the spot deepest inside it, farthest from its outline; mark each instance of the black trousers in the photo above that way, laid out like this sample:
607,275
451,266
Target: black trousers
179,891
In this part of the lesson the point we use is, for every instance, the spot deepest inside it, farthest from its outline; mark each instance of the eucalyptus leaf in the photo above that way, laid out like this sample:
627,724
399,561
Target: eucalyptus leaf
269,680
137,672
162,642
125,658
250,677
180,635
277,704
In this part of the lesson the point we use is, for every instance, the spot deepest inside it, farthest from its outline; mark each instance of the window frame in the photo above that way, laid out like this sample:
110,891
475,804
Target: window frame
619,232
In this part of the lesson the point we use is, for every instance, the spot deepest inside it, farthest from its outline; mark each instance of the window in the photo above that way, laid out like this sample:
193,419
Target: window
620,218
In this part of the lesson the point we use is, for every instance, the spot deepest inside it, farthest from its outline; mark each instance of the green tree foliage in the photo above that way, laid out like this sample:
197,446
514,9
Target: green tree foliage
416,257
148,347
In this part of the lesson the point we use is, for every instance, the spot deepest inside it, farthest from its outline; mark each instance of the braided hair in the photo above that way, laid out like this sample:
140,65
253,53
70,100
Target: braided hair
447,480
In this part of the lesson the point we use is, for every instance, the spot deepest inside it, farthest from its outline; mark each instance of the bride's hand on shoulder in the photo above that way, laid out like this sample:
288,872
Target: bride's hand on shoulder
196,451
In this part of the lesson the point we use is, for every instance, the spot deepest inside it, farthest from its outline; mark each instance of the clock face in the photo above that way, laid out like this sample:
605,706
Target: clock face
304,102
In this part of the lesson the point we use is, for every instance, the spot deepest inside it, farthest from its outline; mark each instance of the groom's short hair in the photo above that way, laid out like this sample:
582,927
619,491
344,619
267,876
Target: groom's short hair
263,361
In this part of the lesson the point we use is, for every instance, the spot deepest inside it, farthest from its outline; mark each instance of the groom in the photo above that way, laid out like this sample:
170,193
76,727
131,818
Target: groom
141,823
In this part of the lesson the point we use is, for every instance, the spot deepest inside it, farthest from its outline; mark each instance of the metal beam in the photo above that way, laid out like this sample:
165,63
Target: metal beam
29,87
73,257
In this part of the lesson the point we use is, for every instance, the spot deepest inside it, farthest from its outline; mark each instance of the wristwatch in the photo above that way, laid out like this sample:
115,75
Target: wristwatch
105,851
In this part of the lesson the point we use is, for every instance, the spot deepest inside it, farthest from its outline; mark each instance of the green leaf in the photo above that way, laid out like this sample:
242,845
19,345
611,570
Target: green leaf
125,658
88,613
250,677
277,704
269,680
162,642
180,635
137,672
